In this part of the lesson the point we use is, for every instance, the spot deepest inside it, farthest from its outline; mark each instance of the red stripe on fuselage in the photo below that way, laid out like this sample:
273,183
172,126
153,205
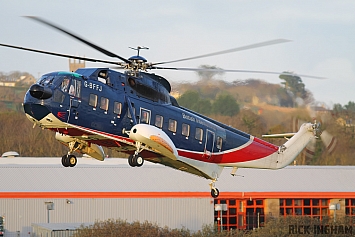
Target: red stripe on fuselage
256,150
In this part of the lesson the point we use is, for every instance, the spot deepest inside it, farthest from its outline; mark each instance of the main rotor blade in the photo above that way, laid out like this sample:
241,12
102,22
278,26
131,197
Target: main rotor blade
108,53
60,55
252,46
227,70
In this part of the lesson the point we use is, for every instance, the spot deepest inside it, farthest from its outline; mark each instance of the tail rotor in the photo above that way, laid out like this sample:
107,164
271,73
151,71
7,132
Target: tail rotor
328,140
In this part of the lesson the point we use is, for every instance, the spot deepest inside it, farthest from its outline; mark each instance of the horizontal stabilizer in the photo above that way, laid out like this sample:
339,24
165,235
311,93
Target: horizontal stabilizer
280,135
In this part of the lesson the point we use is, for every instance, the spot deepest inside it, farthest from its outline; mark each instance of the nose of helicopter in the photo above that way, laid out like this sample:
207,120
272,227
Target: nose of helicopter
40,92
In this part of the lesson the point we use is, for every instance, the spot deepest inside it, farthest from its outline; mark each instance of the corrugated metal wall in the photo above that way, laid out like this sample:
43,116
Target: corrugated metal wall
191,213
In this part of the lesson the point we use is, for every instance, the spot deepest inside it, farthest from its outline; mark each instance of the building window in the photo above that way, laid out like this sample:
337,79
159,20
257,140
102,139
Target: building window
158,121
230,219
318,208
93,100
185,130
172,125
240,214
350,207
254,213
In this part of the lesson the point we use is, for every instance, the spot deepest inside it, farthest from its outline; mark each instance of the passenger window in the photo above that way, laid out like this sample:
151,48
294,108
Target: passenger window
159,121
219,143
185,130
117,108
198,134
145,116
172,125
93,100
129,112
104,103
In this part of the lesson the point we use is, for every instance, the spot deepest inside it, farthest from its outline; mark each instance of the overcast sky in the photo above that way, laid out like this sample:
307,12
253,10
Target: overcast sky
322,34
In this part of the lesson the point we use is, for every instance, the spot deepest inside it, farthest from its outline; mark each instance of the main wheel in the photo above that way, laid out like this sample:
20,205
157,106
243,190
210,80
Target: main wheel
72,160
214,192
130,160
138,161
65,160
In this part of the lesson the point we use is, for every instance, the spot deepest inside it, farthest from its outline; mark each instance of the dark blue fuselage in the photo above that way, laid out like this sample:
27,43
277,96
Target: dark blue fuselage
101,99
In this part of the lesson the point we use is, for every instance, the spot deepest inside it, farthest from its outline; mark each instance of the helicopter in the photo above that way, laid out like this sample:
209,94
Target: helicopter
133,112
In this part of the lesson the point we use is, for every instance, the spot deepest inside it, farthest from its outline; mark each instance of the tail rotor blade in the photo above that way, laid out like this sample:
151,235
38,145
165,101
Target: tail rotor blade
329,141
311,149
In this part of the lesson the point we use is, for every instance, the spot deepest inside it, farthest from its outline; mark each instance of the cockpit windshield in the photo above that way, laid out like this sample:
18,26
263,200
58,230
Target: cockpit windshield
45,80
52,81
55,79
62,83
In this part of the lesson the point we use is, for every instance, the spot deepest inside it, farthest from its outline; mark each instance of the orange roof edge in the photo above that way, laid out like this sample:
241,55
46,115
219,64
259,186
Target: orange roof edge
224,195
104,194
263,195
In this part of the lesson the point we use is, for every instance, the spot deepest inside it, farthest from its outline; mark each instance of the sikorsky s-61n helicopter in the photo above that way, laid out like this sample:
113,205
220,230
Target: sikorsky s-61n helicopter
133,112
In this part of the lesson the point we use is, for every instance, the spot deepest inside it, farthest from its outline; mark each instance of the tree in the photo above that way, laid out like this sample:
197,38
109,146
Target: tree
294,84
226,105
350,107
192,100
337,108
188,99
203,106
208,72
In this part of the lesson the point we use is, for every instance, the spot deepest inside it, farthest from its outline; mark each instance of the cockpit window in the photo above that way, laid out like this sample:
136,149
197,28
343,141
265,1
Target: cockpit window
65,85
73,87
46,80
76,90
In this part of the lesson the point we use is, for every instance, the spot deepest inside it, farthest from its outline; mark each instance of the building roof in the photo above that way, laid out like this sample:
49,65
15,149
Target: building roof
61,226
115,175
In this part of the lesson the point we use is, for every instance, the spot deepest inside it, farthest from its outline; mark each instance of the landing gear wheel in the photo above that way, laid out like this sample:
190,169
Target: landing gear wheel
65,160
135,161
69,160
130,160
138,161
72,161
214,192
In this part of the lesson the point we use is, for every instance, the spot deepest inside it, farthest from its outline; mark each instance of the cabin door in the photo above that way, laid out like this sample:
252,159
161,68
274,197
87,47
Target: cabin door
209,145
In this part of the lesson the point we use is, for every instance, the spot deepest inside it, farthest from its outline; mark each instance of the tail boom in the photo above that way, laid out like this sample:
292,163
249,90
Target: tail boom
285,154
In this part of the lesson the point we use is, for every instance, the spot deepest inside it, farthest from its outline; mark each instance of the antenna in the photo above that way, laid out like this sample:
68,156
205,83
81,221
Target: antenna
139,48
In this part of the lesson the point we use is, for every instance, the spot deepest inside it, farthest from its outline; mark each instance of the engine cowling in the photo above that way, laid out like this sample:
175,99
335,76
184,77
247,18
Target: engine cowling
84,147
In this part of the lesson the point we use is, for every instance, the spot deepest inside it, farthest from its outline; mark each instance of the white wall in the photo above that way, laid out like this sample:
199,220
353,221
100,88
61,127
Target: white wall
191,213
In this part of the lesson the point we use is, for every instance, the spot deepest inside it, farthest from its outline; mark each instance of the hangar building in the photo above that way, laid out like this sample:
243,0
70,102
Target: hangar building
40,190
